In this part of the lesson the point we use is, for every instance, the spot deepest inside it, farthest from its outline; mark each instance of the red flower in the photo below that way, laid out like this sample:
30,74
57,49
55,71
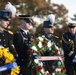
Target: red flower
39,53
44,43
62,70
48,74
9,71
54,70
56,51
29,51
39,67
14,49
34,69
3,56
32,40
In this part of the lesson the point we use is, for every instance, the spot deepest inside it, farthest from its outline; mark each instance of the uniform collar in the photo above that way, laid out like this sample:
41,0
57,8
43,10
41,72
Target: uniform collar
46,35
26,31
2,29
73,34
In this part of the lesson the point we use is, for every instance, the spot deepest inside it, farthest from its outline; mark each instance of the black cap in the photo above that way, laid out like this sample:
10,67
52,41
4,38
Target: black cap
27,18
4,15
71,25
47,24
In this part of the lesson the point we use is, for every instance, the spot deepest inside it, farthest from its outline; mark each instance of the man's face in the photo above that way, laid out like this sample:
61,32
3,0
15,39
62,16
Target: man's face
28,26
72,30
25,25
4,23
49,30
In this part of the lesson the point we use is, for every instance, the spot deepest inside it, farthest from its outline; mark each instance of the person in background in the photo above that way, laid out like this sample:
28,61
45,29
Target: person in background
69,48
21,40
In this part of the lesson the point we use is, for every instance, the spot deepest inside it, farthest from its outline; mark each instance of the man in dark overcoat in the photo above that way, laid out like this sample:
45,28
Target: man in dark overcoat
21,40
69,48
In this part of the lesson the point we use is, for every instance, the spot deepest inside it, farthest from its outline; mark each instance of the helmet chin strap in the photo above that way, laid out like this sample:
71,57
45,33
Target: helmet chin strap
2,28
51,34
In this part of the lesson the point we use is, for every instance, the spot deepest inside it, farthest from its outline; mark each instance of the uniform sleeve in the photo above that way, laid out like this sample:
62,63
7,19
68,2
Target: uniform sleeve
67,50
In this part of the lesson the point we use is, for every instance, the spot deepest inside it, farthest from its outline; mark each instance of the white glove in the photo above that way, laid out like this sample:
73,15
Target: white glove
75,56
74,60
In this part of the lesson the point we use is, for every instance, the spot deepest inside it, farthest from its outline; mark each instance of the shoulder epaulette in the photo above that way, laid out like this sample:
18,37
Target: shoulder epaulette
10,32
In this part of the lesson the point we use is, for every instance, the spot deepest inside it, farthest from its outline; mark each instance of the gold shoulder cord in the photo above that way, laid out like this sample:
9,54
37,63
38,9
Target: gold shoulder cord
10,32
70,43
65,40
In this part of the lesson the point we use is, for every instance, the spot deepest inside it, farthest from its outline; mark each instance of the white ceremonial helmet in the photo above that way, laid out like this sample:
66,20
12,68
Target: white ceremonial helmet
10,8
51,18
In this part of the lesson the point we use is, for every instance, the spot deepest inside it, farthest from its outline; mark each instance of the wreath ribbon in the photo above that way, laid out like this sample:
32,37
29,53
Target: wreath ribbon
8,66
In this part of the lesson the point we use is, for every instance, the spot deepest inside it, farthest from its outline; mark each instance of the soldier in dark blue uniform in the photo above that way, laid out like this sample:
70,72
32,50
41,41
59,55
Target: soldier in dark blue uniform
69,47
21,40
4,34
49,31
4,22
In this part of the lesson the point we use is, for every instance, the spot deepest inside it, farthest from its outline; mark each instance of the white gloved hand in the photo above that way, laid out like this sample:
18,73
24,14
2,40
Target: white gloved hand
75,56
74,60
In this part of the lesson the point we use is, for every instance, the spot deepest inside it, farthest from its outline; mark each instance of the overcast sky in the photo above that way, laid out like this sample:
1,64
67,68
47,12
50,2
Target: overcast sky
69,4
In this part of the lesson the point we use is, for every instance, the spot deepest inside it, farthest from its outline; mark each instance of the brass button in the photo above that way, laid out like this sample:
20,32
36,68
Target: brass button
4,44
4,40
0,39
3,34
